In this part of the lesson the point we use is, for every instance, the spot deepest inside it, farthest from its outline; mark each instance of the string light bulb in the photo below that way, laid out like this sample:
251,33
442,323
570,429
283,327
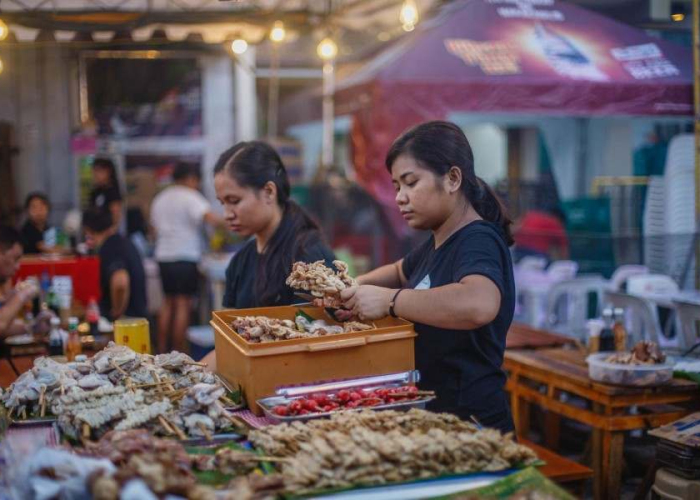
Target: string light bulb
408,17
4,30
2,66
278,33
678,17
239,46
327,49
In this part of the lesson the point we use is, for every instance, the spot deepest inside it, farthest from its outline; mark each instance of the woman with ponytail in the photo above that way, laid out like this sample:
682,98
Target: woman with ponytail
458,286
251,184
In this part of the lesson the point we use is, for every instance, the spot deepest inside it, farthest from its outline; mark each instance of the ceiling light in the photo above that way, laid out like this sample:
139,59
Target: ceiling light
239,46
278,33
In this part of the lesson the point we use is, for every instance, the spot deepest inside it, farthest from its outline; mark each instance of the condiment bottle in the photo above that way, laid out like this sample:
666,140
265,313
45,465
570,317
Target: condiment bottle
73,347
92,316
619,331
607,338
55,338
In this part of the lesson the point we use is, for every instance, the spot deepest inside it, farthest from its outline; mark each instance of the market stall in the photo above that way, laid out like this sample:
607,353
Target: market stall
304,405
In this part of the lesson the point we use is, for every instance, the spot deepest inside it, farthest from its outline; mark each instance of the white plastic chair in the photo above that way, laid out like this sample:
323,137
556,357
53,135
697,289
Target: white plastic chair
623,273
645,285
567,304
688,314
562,270
532,263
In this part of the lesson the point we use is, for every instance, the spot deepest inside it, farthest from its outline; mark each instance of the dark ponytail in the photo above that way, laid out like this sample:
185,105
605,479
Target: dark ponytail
253,164
439,146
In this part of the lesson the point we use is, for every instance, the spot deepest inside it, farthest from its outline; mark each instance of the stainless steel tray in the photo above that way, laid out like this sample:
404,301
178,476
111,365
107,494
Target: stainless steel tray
288,394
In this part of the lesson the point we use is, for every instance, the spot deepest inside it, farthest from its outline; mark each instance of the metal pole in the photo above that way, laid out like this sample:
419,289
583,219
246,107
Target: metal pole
696,99
328,111
274,93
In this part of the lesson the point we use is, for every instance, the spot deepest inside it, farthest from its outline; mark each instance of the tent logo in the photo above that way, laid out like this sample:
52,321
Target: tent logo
494,58
527,9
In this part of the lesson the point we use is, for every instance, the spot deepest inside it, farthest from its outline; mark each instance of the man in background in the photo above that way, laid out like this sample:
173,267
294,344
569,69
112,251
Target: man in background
178,216
122,278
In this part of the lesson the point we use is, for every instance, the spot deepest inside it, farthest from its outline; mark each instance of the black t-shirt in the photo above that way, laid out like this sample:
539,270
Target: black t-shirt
102,197
463,367
31,237
117,253
243,268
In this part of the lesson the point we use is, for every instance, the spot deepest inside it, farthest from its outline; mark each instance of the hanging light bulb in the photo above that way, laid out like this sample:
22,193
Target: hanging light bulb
4,30
2,66
408,17
239,46
327,49
278,33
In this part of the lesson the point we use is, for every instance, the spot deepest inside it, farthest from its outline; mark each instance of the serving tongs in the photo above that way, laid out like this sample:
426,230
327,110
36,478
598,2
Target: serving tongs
330,311
401,378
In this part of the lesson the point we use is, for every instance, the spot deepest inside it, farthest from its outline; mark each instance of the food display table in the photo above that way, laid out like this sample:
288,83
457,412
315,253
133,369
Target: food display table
542,376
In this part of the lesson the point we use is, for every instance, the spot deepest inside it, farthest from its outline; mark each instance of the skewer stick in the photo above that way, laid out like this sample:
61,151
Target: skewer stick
24,413
12,410
63,390
236,421
177,430
227,401
42,401
118,368
205,431
165,425
86,431
194,363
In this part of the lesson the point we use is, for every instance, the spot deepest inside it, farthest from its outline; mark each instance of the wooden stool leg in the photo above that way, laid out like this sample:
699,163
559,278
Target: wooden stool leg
597,463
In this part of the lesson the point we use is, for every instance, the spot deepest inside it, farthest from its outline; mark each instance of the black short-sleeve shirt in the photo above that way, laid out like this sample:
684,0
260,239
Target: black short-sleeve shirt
242,270
463,367
103,197
31,237
117,253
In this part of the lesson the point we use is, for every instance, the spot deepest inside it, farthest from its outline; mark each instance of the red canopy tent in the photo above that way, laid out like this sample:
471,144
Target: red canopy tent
514,56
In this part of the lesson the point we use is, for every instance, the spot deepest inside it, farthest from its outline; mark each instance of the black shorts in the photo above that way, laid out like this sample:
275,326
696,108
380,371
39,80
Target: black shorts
179,278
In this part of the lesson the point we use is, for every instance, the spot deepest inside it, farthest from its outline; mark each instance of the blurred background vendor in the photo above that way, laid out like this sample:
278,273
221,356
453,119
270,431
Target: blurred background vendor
37,208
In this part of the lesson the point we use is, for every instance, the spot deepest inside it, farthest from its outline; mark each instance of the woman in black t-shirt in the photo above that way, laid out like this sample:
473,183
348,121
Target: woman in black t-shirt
458,286
251,184
105,194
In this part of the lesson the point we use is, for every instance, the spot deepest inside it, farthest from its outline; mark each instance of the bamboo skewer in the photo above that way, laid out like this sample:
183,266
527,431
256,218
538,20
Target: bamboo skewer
236,421
194,363
24,413
86,431
178,431
153,384
118,368
205,431
165,424
42,401
12,410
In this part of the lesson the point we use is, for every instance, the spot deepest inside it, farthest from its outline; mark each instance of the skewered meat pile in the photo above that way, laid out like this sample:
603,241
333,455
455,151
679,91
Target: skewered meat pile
643,353
321,281
163,467
257,329
121,389
370,448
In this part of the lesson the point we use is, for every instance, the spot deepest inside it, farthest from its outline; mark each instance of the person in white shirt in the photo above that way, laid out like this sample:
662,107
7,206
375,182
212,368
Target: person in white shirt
178,214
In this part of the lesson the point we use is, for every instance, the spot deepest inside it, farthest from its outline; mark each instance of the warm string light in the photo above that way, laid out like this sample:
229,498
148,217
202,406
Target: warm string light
327,49
278,33
4,30
2,66
239,46
408,17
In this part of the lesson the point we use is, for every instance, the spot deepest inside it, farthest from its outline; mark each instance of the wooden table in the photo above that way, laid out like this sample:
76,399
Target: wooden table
541,376
522,336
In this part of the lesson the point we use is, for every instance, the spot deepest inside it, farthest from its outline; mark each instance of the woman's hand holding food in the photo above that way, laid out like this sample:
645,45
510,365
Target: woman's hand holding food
367,302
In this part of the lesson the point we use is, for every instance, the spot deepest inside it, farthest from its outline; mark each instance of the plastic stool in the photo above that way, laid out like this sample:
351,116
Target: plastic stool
669,486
